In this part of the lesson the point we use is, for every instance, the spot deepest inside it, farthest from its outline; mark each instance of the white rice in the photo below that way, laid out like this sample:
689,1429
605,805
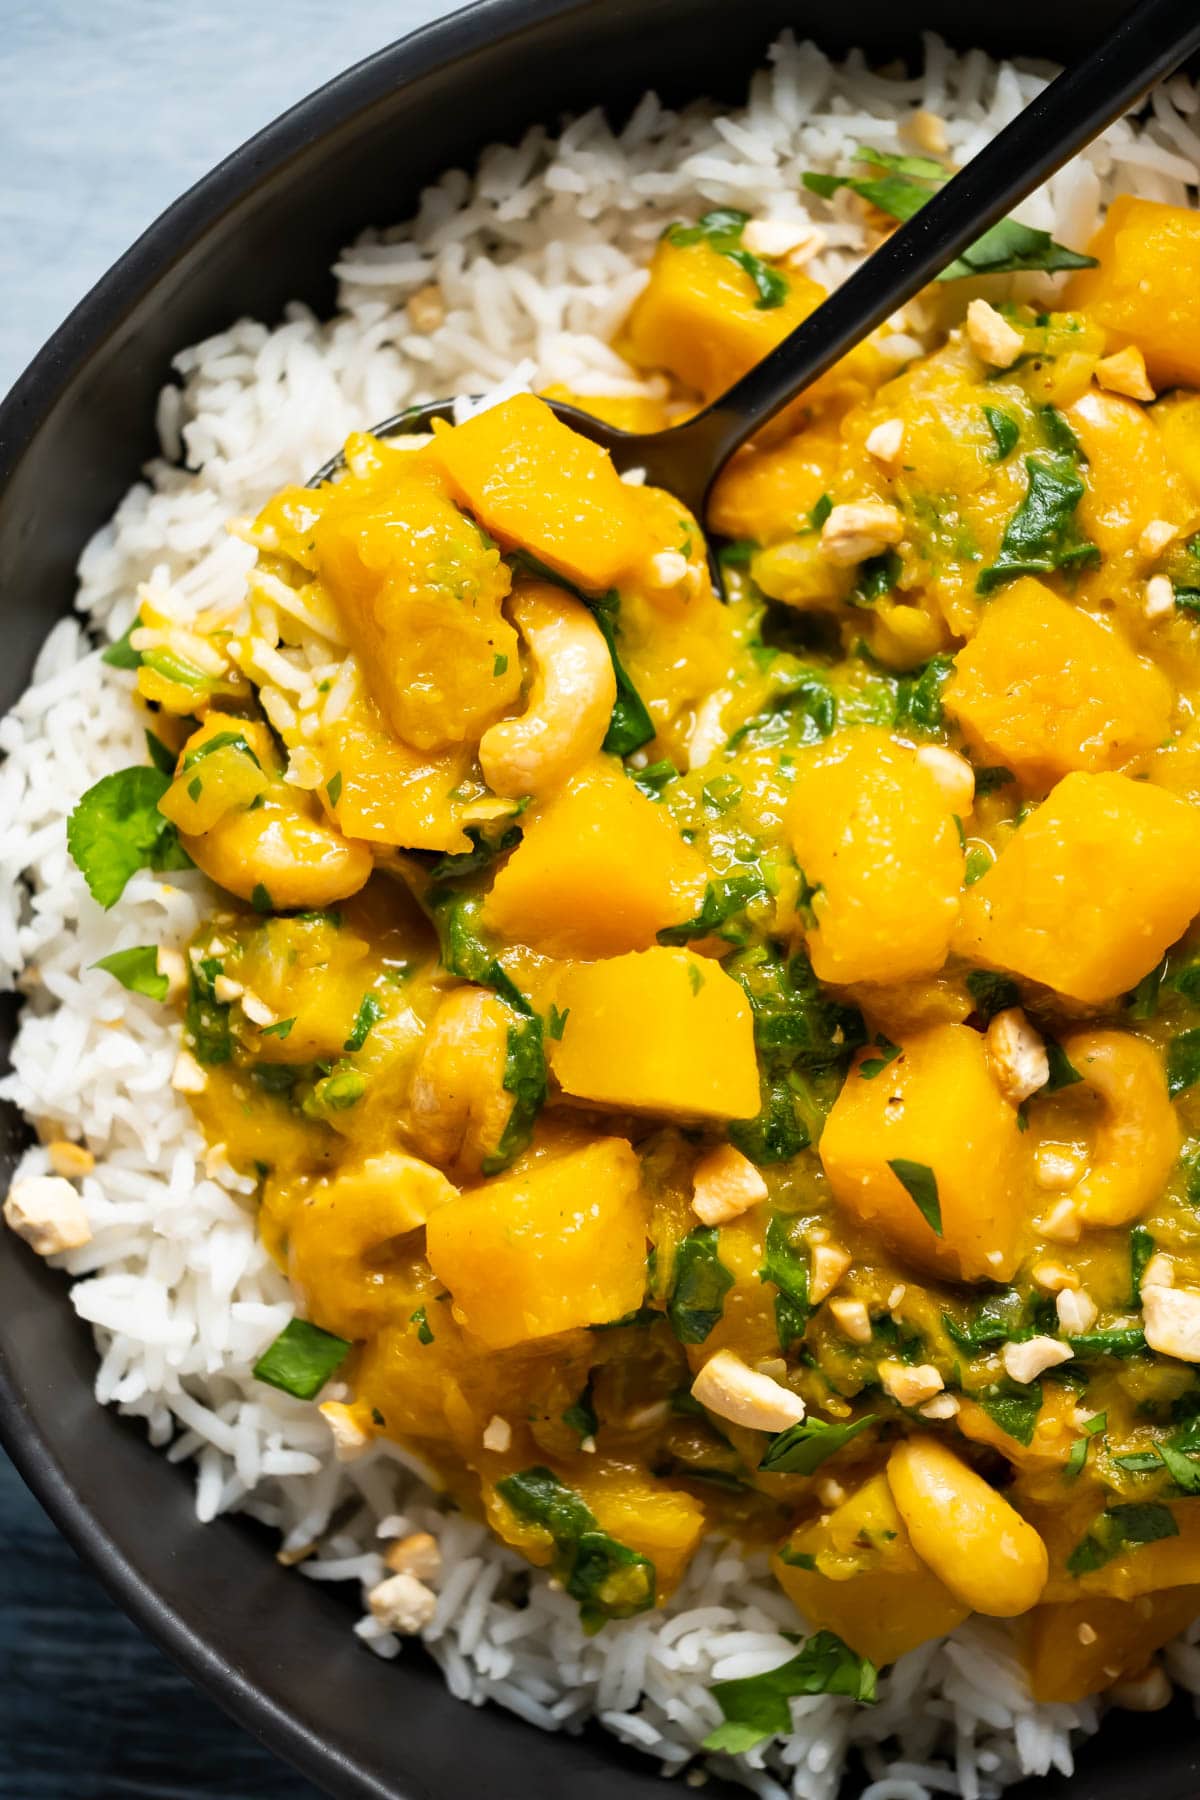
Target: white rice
538,256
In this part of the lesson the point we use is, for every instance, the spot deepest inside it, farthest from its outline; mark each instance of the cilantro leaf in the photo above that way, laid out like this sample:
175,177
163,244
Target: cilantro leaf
1041,535
117,829
1011,246
608,1580
421,1320
920,1182
301,1359
161,755
1014,1407
120,654
699,1283
1121,1528
787,1268
756,1707
804,1447
370,1011
723,899
872,1066
137,970
1004,430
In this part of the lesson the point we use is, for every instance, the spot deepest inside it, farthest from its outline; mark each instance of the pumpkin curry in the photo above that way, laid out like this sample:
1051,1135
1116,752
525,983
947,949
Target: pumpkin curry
727,1064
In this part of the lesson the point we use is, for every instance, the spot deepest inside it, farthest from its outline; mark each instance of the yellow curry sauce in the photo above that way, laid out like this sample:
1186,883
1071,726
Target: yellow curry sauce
728,1066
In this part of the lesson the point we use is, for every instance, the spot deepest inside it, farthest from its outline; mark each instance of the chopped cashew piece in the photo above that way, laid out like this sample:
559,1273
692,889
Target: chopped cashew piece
668,569
1147,1691
1062,1224
417,1554
71,1159
1077,1311
1086,1633
570,702
427,308
886,442
775,237
732,1390
1125,373
497,1434
953,774
853,1320
403,1604
1056,1168
1172,1317
942,1406
227,990
1018,1055
896,1296
256,1010
927,130
188,1077
991,337
1025,1362
1159,1271
1158,597
349,1438
829,1264
1053,1277
1156,536
810,245
725,1184
859,529
910,1386
47,1212
171,964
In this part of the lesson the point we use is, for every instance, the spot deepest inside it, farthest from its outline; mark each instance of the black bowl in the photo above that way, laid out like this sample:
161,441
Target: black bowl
264,228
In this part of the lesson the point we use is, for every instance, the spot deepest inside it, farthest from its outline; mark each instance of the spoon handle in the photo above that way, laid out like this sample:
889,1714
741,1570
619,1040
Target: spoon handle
1146,46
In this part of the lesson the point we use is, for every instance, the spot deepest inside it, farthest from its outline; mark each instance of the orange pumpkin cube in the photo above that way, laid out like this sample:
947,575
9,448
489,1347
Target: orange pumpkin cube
600,869
1120,1638
768,493
935,1106
660,1031
1146,290
1090,891
537,485
1129,478
876,839
867,1583
560,1246
1042,688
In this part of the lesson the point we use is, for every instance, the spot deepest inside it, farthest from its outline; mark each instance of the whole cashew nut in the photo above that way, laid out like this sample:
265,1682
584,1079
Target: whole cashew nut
337,1234
1139,1136
457,1103
574,689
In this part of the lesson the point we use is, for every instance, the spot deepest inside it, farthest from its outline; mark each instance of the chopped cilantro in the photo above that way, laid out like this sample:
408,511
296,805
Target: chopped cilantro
788,1269
370,1011
117,829
1118,1529
556,1022
608,1580
871,1066
1041,535
991,993
301,1359
260,898
920,1182
1004,429
137,970
281,1029
803,1448
722,230
699,1283
421,1320
1014,1407
756,1706
334,787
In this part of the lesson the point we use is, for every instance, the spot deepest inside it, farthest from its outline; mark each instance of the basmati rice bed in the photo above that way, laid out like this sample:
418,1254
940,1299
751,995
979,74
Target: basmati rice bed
533,261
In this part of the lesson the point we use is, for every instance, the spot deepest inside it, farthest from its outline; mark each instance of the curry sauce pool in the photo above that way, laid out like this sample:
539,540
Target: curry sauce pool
713,1083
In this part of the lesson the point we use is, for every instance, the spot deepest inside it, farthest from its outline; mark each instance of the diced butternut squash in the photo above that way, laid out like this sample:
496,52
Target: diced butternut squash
1177,417
1137,1568
1128,478
1090,891
1081,1646
661,1031
877,841
1043,689
866,1582
700,318
765,494
1146,290
419,591
936,1110
537,485
657,1521
600,869
377,788
559,1246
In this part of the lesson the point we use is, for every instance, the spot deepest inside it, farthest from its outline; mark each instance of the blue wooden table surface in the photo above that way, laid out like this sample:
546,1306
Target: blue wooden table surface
110,112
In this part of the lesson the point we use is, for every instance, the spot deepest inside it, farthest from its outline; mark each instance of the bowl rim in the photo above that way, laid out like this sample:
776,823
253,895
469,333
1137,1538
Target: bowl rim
23,411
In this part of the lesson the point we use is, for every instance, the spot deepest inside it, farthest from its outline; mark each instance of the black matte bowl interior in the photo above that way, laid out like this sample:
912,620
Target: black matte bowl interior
264,228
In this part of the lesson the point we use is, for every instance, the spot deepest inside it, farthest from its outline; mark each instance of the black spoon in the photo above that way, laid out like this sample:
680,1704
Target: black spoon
685,459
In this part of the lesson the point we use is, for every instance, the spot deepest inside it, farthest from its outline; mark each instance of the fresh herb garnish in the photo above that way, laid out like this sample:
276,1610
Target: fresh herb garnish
1073,1468
608,1580
581,1416
1141,1249
756,1707
282,1028
370,1011
1041,535
1063,1073
920,1183
117,829
1004,429
341,1089
871,1066
803,1448
630,725
421,1320
991,993
722,230
301,1359
699,1284
137,970
161,755
1121,1528
723,900
121,654
220,740
788,1268
654,777
206,1019
1014,1406
919,695
334,787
